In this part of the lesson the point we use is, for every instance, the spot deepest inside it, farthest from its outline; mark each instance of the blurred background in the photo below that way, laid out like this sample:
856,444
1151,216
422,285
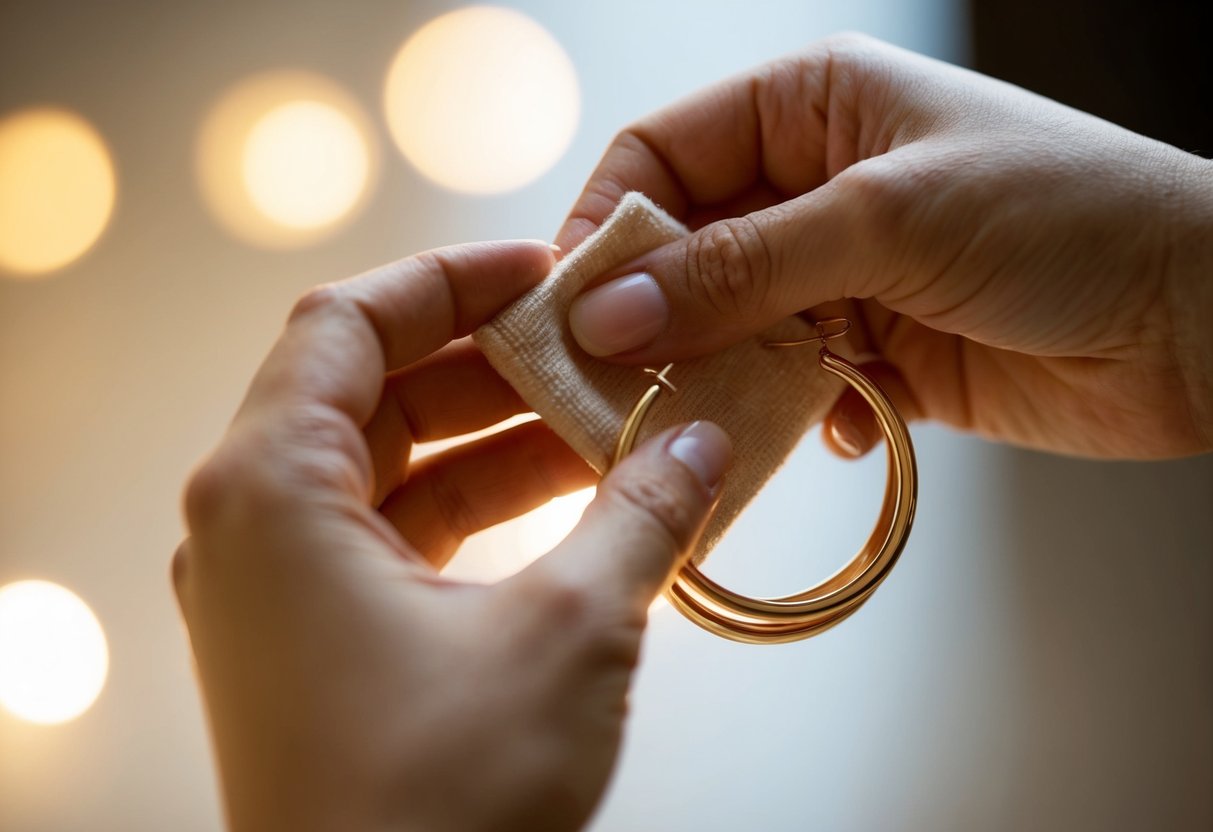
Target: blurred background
173,175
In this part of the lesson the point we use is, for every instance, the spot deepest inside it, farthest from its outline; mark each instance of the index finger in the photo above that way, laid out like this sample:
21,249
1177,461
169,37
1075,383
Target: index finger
763,130
342,338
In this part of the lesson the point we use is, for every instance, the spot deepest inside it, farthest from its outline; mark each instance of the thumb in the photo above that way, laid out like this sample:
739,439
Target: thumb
644,519
725,282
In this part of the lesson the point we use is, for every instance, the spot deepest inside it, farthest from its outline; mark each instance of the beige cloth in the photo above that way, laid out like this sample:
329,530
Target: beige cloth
765,399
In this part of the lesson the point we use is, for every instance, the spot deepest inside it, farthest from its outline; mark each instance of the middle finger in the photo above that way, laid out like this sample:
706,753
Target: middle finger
450,393
463,490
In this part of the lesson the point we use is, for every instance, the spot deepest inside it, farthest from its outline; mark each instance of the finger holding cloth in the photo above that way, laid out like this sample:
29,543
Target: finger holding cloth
764,399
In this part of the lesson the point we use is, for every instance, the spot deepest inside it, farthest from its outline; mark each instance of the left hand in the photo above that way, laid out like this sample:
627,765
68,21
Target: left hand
348,685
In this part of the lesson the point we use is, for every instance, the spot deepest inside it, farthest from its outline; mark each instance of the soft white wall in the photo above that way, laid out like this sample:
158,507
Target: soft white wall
1039,659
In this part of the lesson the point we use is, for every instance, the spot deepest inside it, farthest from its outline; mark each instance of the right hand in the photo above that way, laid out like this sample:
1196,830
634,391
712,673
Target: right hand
1014,267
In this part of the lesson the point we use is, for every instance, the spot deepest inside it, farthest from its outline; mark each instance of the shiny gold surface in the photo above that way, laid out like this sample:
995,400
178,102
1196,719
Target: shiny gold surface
816,609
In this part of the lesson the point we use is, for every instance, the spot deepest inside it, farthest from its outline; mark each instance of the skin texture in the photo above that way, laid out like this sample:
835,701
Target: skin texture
1013,267
348,685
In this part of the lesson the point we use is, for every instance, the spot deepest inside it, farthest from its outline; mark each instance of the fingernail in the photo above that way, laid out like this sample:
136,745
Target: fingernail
555,248
846,435
705,449
622,315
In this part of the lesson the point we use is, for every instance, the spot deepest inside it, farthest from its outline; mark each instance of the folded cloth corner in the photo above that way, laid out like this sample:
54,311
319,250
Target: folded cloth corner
765,399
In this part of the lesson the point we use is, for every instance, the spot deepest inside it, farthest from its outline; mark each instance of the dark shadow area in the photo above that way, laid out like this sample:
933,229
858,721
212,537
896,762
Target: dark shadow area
1146,66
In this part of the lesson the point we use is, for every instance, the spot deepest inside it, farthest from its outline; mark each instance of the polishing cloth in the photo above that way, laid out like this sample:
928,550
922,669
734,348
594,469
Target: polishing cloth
764,398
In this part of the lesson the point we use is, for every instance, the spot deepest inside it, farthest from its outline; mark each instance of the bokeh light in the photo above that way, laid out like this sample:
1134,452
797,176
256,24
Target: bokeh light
56,190
542,529
304,164
482,100
285,158
53,655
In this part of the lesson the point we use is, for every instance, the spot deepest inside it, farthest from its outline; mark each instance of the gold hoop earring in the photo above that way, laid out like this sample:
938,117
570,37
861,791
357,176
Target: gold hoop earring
816,609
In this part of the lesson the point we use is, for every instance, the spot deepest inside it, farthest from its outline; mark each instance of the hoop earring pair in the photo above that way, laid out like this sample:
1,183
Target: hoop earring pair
816,609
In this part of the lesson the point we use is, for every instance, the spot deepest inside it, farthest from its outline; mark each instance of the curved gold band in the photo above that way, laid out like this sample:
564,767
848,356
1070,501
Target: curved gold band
794,617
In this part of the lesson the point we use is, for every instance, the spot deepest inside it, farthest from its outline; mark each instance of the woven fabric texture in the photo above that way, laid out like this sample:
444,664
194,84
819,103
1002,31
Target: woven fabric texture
765,399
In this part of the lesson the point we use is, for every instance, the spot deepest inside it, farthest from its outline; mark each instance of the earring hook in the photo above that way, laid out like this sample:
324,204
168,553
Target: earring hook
827,330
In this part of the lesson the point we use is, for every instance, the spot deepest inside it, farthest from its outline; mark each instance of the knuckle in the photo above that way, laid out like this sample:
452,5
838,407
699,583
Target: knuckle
849,41
884,196
322,298
617,645
327,449
610,181
411,412
590,626
652,500
565,603
781,90
852,56
438,268
225,488
207,490
728,266
451,503
179,569
255,471
631,140
899,202
858,69
872,182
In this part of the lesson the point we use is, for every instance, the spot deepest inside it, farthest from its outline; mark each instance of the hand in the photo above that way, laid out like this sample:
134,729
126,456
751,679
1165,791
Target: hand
1015,268
349,686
